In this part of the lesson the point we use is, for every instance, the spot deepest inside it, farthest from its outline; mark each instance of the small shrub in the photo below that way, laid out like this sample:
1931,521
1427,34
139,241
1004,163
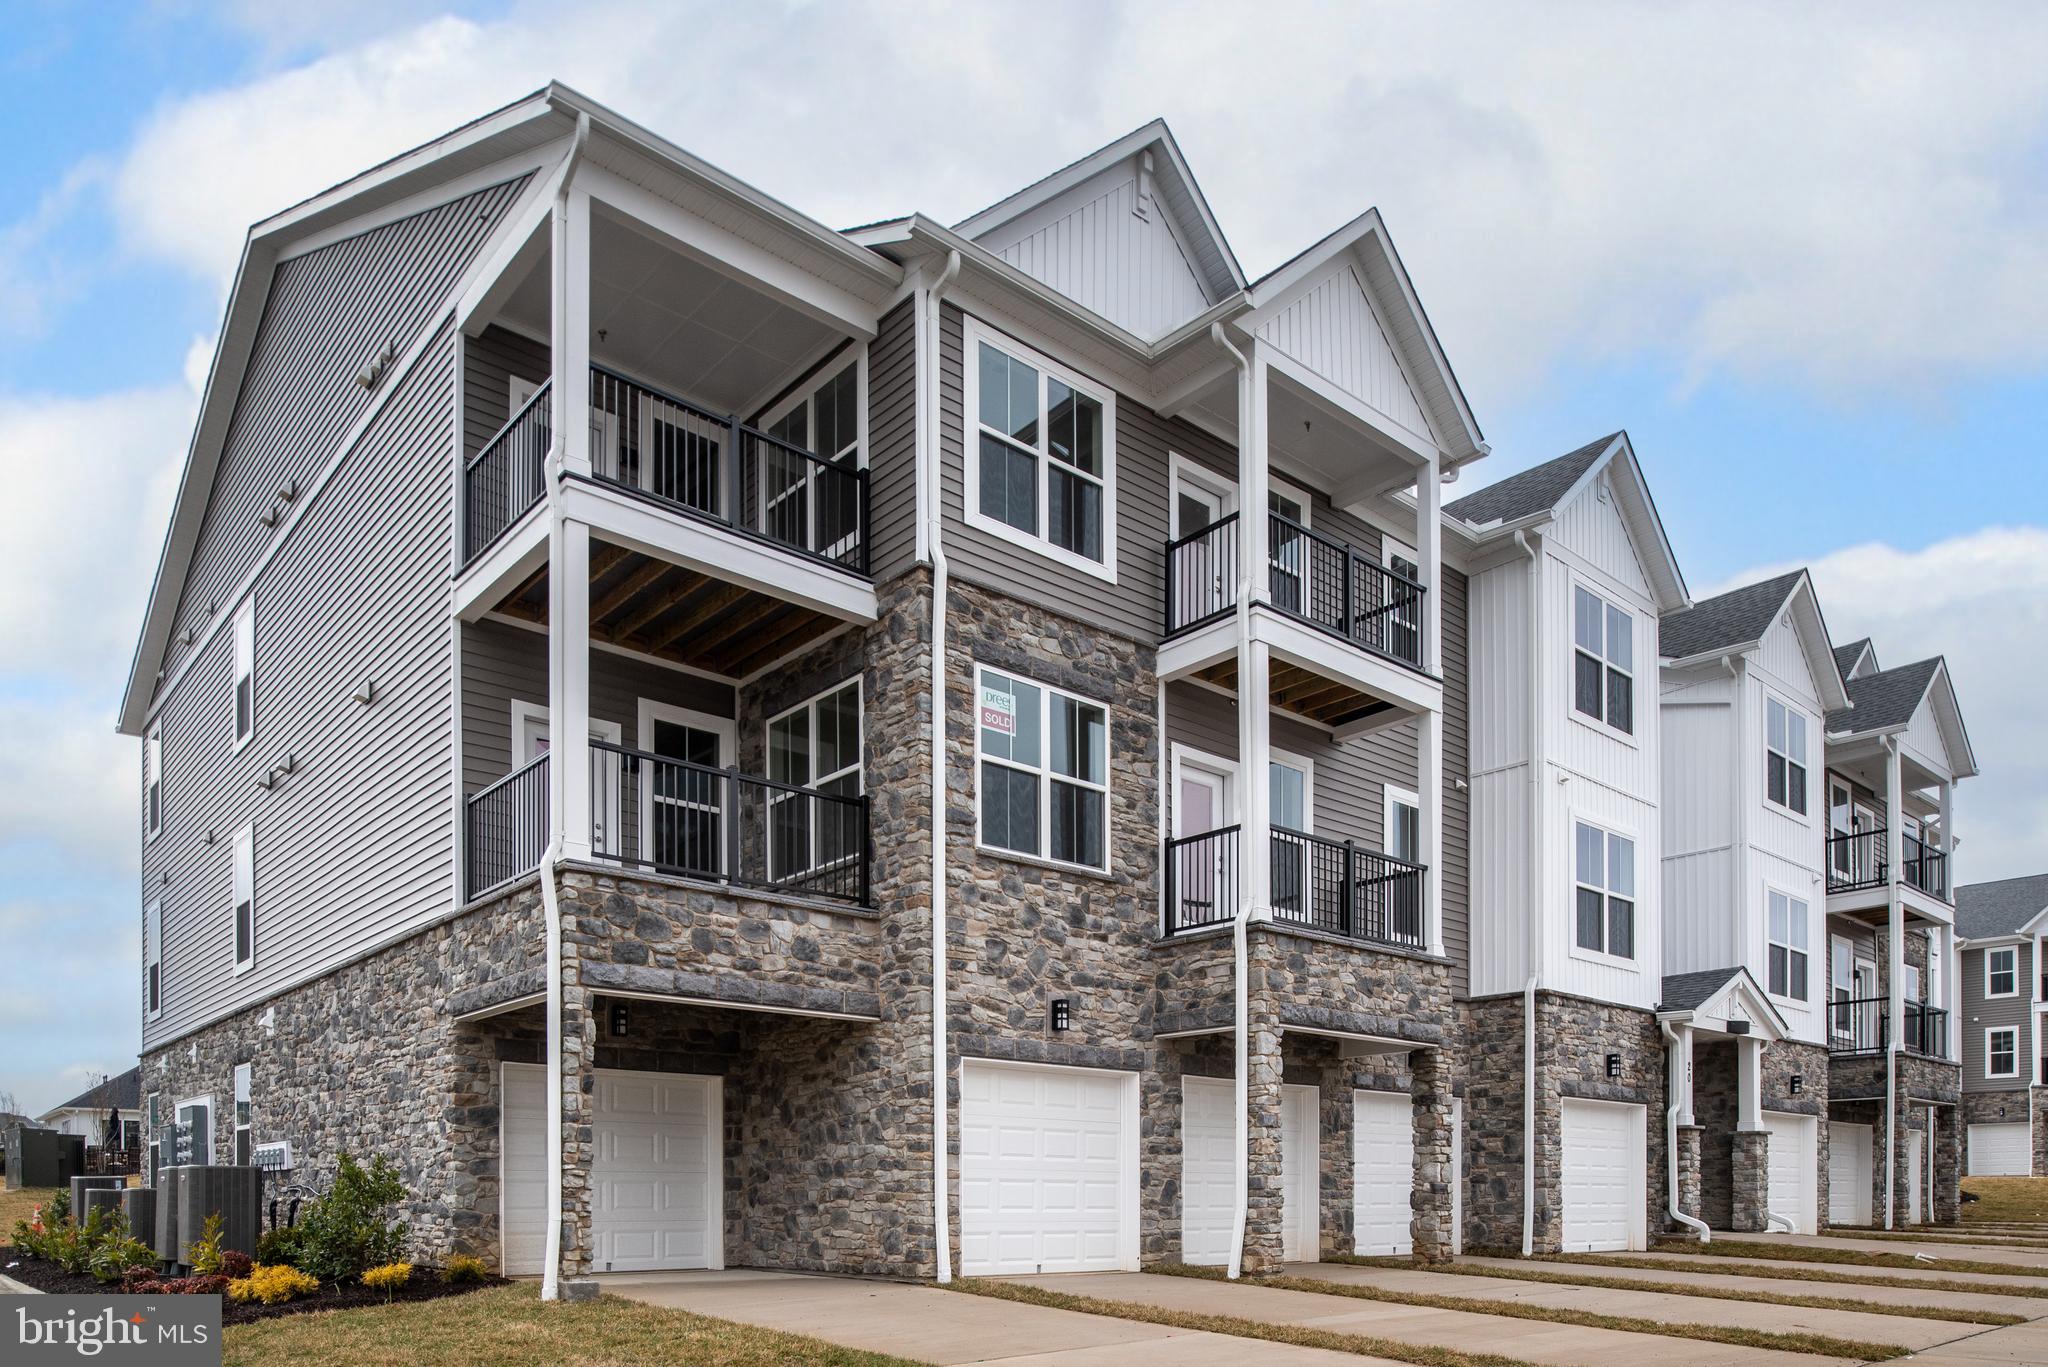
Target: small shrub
280,1247
348,1231
206,1248
464,1269
58,1211
272,1285
215,1285
141,1280
235,1264
388,1278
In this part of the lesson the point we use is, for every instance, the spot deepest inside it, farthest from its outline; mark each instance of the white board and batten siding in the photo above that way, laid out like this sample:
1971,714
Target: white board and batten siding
1788,849
1697,728
1331,327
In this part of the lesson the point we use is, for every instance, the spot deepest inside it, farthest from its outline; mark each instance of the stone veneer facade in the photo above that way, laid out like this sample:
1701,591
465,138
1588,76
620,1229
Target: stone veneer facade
1929,1100
1732,1165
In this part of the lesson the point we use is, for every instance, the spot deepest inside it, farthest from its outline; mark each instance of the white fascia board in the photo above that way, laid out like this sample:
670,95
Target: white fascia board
430,196
485,581
1317,651
1637,508
1198,649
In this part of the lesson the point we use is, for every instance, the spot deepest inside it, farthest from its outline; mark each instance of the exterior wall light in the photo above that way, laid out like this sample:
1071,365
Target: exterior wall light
618,1018
1614,1065
1061,1017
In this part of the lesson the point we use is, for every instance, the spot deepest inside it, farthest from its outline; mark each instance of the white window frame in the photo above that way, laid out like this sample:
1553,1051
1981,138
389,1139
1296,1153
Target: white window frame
152,1137
1991,970
244,635
153,957
243,884
804,395
1637,920
858,768
649,712
1391,797
205,1100
1798,913
1306,767
974,334
1183,473
153,781
1044,772
1573,650
1989,1052
244,1087
1793,716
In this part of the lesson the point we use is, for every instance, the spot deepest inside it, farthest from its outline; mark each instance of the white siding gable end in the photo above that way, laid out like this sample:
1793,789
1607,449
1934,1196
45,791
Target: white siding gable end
1331,327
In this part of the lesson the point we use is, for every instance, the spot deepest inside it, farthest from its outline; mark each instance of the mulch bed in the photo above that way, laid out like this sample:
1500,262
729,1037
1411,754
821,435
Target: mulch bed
425,1286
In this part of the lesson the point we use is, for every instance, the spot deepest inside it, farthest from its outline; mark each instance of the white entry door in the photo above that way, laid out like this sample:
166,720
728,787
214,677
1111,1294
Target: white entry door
1848,1174
1204,570
1300,1173
530,741
1204,871
1604,1162
1048,1169
2000,1150
1208,1174
1916,1173
1383,1173
1793,1169
522,1168
656,1176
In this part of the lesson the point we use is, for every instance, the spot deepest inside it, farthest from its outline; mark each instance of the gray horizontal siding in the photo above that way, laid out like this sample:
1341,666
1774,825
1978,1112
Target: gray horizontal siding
329,315
1981,1013
356,845
892,442
502,664
489,361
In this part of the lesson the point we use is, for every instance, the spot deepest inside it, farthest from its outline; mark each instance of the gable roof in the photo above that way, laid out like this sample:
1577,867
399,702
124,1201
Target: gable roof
1987,910
1886,701
1737,621
1687,993
1683,991
1539,489
1848,657
123,1090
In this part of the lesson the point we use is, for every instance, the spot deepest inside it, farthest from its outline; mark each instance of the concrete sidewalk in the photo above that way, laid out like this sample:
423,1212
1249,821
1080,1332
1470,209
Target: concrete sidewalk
1715,1281
2015,1343
928,1325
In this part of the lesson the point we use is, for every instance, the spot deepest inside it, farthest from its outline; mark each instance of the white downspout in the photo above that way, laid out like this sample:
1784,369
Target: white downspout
1532,924
551,906
931,448
1674,1067
1240,969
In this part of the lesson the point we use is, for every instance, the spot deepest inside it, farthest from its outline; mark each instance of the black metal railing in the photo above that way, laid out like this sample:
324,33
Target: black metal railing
505,827
1309,576
1860,1025
1329,885
1863,860
652,812
711,465
505,478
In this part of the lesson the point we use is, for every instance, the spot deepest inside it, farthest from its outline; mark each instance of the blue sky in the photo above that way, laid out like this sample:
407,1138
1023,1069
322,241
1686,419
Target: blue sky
1804,261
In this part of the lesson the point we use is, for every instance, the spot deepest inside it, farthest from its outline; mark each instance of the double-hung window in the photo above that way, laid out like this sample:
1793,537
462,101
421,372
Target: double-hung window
245,899
1603,661
815,745
245,673
2002,1051
153,960
1040,453
153,782
1043,766
1784,756
1788,931
2002,972
1606,887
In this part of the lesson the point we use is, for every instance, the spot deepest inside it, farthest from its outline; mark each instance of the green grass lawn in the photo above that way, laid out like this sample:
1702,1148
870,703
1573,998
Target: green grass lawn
2022,1199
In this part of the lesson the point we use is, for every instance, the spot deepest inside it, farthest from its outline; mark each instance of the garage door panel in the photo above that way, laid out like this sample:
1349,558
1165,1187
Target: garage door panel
2001,1149
1849,1175
523,1168
1208,1178
1042,1169
1791,1166
1604,1163
1383,1173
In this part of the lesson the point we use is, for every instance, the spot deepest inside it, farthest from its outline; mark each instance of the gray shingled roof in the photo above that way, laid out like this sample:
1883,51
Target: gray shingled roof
1880,701
1734,618
1683,991
123,1090
1535,490
1987,909
1846,656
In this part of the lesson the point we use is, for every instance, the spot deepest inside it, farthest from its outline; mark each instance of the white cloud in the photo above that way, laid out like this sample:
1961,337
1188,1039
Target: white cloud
1981,601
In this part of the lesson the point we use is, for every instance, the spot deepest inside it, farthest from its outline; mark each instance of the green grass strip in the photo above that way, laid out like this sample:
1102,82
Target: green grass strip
1950,1235
1852,1257
1364,1345
1799,1273
1824,1344
1533,1274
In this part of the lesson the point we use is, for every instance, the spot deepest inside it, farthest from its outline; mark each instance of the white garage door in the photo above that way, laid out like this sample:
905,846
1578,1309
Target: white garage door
1300,1173
655,1178
1208,1177
1048,1170
1603,1176
2000,1150
1848,1174
1383,1173
523,1168
1793,1169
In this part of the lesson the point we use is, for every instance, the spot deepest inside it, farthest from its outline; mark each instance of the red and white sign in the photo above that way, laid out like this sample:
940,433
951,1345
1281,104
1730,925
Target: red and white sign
998,711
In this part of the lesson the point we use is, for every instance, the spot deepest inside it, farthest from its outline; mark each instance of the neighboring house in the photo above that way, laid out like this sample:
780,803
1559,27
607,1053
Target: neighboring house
86,1114
2005,1054
646,692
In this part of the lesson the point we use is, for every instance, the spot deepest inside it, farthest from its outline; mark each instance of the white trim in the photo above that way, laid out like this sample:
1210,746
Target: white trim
1991,1030
153,781
1044,772
1793,714
2014,951
1183,472
812,778
1391,797
244,668
1179,757
975,333
153,956
245,1095
651,711
804,388
1633,961
1577,583
1287,759
1798,912
242,889
1295,492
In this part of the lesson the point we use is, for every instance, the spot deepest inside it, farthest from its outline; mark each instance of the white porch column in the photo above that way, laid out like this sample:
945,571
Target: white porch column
569,683
1948,838
1254,484
1429,731
1680,1067
1254,658
569,333
1749,1074
1895,974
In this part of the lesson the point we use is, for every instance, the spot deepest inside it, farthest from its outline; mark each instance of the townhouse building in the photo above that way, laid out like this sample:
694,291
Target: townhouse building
2004,991
714,739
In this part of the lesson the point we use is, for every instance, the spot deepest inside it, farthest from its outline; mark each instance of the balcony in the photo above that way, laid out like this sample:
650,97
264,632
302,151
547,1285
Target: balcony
1859,1025
1320,884
653,813
1860,861
1312,578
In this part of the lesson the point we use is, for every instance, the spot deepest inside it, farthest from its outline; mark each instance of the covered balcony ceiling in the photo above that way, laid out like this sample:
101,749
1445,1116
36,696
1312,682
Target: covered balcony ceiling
665,316
1305,693
1310,437
657,608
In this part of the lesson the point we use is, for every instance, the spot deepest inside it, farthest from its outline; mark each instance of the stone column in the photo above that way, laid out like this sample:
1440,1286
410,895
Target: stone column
1750,1172
1688,1160
1265,1201
579,1055
1430,1088
1946,1123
